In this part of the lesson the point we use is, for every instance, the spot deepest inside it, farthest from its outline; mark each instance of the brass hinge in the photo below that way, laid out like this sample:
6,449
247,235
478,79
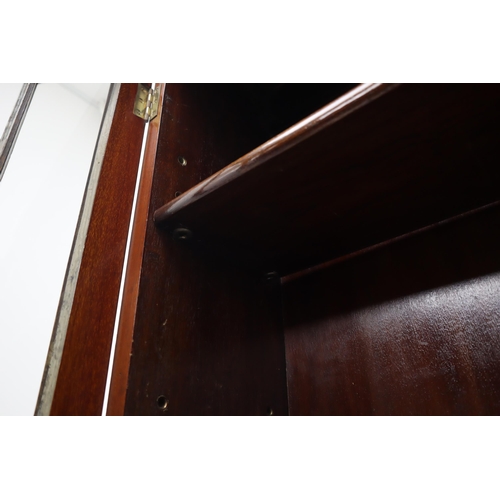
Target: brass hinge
146,102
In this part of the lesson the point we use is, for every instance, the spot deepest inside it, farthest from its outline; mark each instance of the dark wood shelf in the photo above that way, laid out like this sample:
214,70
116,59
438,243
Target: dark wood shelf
376,163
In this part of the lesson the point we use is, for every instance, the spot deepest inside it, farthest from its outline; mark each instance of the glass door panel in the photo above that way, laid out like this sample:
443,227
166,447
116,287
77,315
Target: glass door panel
40,199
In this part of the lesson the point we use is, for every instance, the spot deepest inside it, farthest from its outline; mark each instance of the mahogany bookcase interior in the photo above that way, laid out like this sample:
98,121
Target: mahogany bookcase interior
321,250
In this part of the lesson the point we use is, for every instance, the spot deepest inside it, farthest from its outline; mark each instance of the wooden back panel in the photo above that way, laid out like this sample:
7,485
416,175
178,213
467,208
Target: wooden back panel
411,328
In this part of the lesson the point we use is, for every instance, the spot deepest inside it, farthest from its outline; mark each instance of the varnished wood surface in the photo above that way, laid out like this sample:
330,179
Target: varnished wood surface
56,346
381,161
121,362
82,374
412,328
207,335
276,146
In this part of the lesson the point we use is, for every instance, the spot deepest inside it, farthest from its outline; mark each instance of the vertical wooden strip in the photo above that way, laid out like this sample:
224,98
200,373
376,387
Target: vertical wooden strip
82,375
118,388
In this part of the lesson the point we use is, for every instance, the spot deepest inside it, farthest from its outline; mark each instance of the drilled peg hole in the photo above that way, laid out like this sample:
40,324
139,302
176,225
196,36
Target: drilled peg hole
162,402
270,411
177,193
270,278
182,234
182,161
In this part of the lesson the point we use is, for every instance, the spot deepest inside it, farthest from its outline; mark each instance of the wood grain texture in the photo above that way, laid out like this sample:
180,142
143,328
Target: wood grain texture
208,335
412,328
82,374
379,162
56,346
121,362
296,134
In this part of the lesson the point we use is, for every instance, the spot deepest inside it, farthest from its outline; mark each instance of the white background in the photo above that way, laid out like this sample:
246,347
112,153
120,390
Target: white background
40,199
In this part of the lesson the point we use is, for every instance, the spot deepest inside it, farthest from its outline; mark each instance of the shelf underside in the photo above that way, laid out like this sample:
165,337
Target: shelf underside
379,162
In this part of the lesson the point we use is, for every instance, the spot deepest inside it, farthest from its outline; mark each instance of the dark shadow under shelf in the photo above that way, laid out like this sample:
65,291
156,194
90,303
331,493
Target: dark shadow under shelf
376,163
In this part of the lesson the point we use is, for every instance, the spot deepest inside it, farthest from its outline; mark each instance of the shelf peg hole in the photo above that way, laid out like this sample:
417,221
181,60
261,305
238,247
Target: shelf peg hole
182,161
182,234
177,193
162,402
270,278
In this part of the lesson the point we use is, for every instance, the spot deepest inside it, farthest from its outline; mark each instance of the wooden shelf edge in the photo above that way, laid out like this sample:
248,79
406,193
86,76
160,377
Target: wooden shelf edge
382,161
313,124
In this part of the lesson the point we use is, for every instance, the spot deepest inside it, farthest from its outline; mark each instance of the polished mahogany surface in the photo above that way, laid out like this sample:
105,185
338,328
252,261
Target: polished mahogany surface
84,365
394,325
380,161
126,322
411,328
207,335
